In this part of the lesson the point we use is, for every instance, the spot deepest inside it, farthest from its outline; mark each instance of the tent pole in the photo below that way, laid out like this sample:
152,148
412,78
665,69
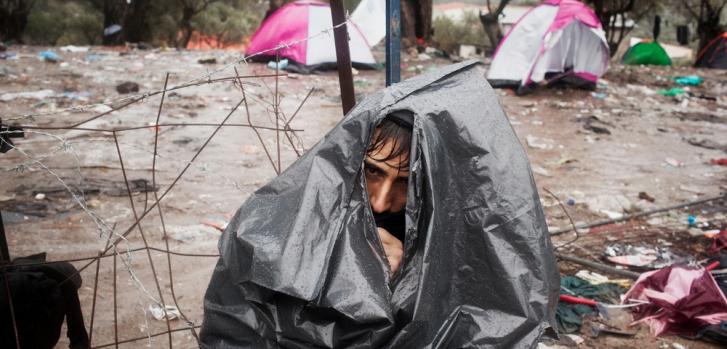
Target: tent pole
393,42
343,56
4,251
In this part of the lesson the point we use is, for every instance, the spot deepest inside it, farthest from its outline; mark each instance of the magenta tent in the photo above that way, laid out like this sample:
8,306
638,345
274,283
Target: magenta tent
300,31
559,41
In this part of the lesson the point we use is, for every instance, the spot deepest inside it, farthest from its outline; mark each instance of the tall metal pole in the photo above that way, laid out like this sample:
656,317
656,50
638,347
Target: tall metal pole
393,42
4,251
343,56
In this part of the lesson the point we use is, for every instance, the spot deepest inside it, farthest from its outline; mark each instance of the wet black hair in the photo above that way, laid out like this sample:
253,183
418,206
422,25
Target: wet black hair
397,127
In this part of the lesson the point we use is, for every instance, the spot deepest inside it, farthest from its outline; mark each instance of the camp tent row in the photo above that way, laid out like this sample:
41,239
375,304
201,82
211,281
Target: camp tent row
557,42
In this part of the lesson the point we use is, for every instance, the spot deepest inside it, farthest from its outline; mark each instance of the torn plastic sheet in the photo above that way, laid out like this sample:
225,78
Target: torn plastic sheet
301,264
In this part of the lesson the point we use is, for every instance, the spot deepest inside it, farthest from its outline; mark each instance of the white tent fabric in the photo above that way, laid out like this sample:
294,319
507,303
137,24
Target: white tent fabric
370,17
559,36
577,46
517,53
321,48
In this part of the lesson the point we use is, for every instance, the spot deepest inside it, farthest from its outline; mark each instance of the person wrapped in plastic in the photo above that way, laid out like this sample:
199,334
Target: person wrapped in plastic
304,264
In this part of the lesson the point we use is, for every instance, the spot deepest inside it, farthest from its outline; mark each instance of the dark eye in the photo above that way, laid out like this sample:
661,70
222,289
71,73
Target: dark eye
372,170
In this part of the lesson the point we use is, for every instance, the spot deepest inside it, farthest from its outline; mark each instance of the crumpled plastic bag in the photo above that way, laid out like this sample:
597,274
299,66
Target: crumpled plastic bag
301,264
682,300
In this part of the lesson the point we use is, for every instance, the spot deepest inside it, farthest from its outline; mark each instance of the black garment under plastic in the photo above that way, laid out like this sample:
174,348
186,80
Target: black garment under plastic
301,264
394,223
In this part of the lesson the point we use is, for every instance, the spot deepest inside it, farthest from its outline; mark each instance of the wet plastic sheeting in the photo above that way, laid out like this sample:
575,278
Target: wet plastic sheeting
301,264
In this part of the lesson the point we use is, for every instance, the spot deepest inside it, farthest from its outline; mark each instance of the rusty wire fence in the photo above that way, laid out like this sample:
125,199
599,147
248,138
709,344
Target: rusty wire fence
126,243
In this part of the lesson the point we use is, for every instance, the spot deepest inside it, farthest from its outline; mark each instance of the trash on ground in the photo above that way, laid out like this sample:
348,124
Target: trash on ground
537,143
158,312
74,49
579,298
642,256
680,300
691,80
720,162
645,196
674,162
37,95
207,60
597,279
50,56
672,92
278,65
127,87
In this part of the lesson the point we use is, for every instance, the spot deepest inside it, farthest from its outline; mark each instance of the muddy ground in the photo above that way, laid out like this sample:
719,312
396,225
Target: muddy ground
621,149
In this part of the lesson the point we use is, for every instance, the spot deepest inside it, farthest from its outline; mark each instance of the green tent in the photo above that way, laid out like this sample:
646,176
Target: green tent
647,53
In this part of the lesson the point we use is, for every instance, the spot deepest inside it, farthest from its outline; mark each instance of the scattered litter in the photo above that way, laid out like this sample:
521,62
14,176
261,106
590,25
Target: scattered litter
645,196
720,162
101,108
8,55
423,57
674,162
691,220
183,141
578,298
691,80
170,312
677,346
217,223
74,49
672,92
49,56
598,95
278,65
207,60
680,300
127,87
642,256
93,57
37,95
40,196
537,143
610,205
540,171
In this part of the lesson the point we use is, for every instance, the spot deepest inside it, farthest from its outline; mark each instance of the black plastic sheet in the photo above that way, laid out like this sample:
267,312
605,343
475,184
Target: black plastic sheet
302,266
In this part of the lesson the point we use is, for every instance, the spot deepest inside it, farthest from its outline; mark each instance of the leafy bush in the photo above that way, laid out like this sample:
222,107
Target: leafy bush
449,35
55,22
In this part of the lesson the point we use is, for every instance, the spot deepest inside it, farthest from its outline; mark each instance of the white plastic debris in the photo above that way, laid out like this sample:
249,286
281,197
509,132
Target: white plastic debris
158,312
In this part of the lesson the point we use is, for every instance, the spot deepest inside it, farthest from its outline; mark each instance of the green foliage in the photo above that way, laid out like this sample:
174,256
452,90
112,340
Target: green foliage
449,35
56,22
228,22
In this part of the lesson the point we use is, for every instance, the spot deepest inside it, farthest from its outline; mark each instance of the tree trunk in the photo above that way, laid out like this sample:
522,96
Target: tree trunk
113,13
14,19
708,30
424,25
186,26
408,23
492,28
136,22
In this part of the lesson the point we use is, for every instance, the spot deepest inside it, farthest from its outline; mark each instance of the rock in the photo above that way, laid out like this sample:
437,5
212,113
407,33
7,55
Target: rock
127,87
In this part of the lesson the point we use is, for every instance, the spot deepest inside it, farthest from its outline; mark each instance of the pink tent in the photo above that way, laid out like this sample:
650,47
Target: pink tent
300,27
558,41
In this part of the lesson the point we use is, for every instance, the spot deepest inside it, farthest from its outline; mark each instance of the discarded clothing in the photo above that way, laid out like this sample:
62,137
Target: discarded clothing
301,264
569,315
682,300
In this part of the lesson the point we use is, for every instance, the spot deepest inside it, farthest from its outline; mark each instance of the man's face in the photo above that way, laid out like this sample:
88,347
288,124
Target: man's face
386,180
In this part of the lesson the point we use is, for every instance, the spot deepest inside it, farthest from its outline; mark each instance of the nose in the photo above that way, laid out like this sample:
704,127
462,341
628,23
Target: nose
380,199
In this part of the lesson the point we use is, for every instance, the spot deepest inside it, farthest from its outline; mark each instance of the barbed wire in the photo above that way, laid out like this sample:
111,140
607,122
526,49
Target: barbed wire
203,79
